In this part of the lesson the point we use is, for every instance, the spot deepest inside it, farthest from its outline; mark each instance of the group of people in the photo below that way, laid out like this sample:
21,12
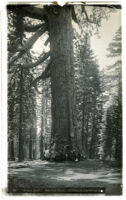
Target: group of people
73,155
70,156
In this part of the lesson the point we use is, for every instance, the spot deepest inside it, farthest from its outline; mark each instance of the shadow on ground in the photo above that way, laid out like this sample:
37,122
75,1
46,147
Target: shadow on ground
43,176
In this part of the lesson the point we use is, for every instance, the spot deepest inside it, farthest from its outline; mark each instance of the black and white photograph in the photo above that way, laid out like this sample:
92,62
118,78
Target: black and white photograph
64,99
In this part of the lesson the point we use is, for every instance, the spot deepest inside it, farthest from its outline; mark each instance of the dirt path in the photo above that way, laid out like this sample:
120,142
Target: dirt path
85,176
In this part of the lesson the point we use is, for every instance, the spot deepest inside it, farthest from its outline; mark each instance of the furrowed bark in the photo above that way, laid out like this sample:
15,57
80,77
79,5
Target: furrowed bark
62,79
28,44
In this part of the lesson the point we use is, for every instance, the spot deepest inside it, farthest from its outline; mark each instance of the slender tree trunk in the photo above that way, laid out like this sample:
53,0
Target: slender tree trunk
30,148
92,150
86,135
11,150
118,131
83,136
11,131
84,109
42,129
62,78
21,138
108,145
84,132
41,147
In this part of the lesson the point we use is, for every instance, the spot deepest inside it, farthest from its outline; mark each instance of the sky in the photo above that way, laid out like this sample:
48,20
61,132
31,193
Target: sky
106,32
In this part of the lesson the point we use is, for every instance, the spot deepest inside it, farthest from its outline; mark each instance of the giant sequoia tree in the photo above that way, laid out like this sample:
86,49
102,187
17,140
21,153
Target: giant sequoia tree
57,21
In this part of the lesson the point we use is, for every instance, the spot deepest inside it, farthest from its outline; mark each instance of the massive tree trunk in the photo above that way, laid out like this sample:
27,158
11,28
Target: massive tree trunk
62,79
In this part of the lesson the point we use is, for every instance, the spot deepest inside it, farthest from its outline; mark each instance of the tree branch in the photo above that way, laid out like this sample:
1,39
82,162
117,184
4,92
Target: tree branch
28,44
47,41
74,15
45,74
86,15
35,86
38,62
30,65
32,28
34,12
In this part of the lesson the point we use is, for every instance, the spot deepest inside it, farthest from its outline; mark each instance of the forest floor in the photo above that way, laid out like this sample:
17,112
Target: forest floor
89,176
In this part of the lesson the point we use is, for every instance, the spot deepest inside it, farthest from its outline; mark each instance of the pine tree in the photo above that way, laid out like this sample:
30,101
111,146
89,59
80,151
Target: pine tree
21,103
113,145
88,99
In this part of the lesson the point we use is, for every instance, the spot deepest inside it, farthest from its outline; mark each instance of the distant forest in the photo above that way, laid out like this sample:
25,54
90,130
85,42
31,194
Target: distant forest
61,104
